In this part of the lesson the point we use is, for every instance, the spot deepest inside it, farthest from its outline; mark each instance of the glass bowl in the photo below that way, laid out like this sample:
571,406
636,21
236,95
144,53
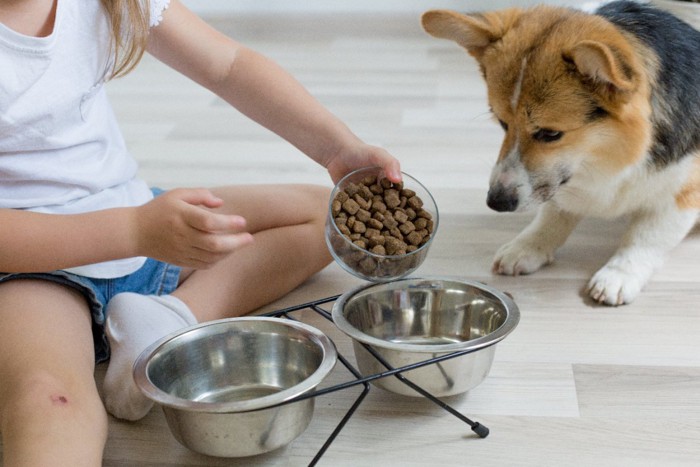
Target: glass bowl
367,242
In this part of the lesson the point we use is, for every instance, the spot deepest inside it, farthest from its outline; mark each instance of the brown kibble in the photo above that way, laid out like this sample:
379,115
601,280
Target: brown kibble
351,189
391,198
415,202
363,215
391,245
355,236
338,242
369,233
379,206
408,193
375,224
359,227
355,256
360,243
389,221
342,197
378,250
361,201
366,193
394,246
421,223
368,265
376,189
350,222
336,206
414,238
400,216
424,214
350,206
377,240
407,227
411,248
396,233
369,180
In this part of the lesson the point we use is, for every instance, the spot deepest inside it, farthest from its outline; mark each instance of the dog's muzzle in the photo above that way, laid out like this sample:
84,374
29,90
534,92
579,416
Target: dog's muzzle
502,199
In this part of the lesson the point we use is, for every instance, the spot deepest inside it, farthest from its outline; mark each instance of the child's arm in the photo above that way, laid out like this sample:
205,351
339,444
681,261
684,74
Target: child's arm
35,242
263,91
174,227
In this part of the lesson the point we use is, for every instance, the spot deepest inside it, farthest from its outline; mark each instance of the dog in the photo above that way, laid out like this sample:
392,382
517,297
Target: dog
601,113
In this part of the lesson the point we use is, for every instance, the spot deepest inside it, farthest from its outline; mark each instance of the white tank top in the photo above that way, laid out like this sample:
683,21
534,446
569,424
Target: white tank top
61,150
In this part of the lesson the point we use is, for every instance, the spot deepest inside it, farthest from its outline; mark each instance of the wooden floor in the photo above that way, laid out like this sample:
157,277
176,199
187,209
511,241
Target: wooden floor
574,384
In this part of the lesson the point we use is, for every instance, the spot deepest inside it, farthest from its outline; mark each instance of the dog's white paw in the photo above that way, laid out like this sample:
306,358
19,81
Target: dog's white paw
516,257
615,286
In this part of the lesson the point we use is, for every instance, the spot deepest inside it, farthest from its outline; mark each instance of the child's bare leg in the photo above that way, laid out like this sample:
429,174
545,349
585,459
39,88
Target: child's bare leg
50,410
287,223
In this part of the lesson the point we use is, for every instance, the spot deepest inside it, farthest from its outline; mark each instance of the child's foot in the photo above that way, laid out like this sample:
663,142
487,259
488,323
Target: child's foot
133,323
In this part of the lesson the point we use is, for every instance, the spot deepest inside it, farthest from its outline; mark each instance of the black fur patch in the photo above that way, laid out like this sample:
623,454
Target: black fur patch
677,44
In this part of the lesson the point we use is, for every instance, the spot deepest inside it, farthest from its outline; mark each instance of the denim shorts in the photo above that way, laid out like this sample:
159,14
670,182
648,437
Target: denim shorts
153,278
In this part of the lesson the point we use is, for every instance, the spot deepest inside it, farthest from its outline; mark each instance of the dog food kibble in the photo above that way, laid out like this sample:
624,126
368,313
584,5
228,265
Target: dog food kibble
383,218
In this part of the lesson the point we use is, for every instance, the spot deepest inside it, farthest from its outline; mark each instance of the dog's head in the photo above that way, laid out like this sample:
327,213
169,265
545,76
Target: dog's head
567,87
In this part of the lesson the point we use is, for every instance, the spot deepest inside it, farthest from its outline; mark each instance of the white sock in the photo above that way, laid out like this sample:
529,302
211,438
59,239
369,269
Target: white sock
133,323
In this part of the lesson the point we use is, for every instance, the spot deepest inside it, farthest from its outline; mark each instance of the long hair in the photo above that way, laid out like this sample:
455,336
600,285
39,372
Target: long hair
130,22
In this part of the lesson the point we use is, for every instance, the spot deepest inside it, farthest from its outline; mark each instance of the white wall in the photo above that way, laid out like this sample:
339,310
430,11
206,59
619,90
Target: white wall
340,6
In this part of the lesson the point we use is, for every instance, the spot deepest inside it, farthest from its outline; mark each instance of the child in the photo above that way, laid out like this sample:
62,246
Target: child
83,239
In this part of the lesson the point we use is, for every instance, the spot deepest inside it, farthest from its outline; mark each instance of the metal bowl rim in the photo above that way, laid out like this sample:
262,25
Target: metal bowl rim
511,321
153,392
436,218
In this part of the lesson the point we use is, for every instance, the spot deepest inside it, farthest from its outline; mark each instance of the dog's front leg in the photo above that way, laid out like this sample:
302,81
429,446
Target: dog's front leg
650,237
535,245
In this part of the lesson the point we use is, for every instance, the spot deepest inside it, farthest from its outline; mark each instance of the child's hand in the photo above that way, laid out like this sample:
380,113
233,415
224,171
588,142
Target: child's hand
360,156
179,227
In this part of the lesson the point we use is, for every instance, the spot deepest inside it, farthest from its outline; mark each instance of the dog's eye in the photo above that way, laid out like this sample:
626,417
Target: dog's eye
546,135
503,124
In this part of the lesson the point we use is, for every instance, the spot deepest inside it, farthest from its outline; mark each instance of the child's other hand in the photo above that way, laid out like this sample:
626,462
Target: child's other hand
364,155
179,227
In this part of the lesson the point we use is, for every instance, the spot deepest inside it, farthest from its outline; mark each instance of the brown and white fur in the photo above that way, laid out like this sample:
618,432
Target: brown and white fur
600,119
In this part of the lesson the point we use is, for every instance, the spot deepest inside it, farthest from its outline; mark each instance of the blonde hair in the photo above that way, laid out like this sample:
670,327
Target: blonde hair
130,21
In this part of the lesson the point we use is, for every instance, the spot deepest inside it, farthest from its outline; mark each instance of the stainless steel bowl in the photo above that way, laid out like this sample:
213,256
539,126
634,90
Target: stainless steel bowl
412,320
372,266
220,383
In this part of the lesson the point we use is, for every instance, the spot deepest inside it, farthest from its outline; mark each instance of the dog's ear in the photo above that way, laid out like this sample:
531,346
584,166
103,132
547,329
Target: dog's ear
474,32
605,68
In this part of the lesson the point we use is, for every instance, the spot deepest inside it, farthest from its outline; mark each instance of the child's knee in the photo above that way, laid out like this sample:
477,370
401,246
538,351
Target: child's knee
41,394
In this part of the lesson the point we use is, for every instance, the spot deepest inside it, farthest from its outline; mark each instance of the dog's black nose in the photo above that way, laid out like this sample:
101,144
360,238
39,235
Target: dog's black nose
502,200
